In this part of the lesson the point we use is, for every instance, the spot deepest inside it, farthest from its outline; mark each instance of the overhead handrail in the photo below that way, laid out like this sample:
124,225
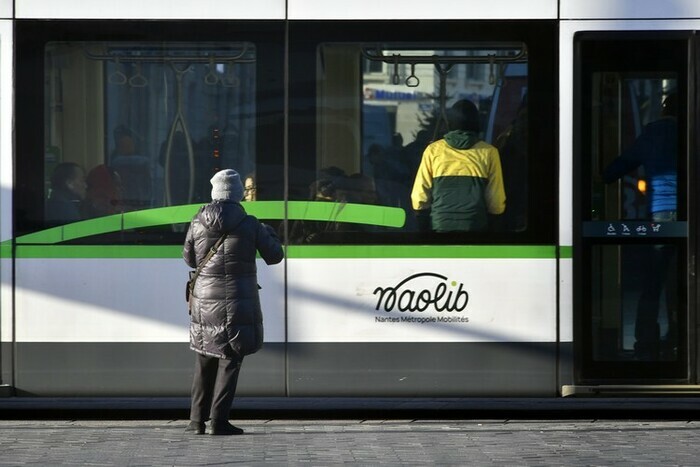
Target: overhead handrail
444,64
138,80
212,77
179,125
118,77
180,58
443,71
412,80
376,54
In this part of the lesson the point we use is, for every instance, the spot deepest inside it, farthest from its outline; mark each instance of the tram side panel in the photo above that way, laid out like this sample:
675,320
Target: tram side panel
381,309
406,326
149,114
119,327
6,188
483,304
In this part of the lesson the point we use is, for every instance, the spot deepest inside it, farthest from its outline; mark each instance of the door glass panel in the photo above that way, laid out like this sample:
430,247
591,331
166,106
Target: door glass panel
633,210
635,179
636,135
635,302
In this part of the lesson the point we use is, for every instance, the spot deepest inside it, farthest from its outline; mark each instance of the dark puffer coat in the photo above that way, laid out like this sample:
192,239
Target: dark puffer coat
225,306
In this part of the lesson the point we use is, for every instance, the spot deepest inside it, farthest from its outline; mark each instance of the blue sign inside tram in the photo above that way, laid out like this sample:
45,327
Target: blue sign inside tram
635,229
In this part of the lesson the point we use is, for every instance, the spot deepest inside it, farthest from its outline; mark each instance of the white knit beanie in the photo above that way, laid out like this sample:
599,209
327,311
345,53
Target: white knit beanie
226,185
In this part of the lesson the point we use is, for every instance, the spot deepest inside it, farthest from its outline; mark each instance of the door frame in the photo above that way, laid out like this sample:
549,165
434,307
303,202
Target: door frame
635,373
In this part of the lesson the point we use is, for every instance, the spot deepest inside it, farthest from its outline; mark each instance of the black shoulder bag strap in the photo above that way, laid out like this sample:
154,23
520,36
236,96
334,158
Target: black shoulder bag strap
194,274
212,251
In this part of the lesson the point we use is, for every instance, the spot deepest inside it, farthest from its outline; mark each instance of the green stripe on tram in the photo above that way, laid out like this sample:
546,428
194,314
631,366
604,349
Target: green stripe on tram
422,251
299,251
566,252
99,251
382,216
45,243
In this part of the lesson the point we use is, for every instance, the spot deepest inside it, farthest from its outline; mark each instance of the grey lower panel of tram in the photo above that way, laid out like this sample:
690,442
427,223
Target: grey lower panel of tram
310,369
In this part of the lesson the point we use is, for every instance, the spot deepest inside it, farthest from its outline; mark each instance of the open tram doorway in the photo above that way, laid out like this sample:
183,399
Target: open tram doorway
634,218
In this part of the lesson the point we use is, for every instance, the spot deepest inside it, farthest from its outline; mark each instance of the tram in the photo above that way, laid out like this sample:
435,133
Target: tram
115,115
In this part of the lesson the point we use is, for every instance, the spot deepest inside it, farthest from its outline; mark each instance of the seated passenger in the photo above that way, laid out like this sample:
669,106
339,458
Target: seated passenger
250,192
357,188
67,193
390,174
103,192
325,188
135,173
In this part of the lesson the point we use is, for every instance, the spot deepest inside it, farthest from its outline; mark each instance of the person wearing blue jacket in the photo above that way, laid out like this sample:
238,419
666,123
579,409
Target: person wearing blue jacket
656,150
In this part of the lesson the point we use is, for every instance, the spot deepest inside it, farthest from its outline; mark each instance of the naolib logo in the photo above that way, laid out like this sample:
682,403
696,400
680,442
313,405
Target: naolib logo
408,295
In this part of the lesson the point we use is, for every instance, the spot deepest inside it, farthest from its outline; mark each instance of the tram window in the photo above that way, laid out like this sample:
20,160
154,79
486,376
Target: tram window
378,108
634,111
130,126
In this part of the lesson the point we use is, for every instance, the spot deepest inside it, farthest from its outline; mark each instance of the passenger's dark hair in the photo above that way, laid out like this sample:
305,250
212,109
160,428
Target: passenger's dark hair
464,115
62,173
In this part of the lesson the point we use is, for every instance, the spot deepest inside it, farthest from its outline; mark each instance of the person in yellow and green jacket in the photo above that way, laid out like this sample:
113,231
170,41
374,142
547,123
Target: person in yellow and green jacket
459,180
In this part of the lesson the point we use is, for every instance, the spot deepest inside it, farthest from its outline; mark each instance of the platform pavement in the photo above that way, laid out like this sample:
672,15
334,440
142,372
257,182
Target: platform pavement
354,431
324,442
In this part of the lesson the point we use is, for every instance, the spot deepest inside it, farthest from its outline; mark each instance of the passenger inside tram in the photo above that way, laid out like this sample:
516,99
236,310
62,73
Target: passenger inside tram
512,146
134,170
68,189
656,150
104,192
250,192
335,186
391,176
459,183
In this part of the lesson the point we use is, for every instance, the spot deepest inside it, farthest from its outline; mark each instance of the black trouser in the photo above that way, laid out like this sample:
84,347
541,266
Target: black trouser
661,275
213,387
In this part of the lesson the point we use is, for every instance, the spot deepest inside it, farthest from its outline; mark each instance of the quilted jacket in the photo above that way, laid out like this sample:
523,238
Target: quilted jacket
225,314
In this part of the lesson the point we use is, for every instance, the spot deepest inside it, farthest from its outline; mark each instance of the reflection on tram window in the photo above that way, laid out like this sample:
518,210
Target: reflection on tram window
379,108
635,302
635,160
148,122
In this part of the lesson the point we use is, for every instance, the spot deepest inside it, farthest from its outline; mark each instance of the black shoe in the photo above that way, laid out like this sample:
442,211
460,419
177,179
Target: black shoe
224,428
196,428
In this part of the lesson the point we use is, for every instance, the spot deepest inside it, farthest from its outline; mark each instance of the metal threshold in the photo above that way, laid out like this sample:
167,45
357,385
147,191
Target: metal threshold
6,390
630,390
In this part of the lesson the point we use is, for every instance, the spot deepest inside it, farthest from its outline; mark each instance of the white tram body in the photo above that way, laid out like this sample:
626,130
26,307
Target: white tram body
366,305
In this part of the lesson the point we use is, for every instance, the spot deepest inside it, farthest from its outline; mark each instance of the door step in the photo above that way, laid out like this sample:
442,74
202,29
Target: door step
630,390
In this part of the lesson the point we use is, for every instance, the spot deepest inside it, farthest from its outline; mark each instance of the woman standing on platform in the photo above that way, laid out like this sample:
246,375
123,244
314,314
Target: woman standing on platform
226,319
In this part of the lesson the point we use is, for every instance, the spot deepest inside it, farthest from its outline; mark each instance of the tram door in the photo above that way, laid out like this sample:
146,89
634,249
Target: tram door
632,236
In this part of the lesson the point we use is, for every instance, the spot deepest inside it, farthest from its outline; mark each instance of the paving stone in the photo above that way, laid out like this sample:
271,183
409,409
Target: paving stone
335,442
